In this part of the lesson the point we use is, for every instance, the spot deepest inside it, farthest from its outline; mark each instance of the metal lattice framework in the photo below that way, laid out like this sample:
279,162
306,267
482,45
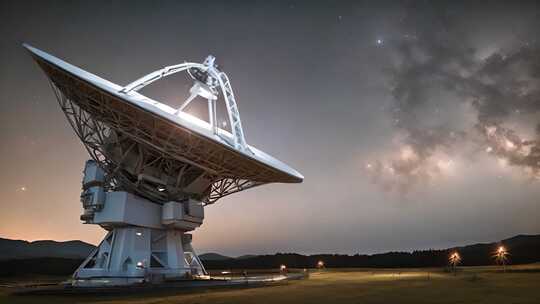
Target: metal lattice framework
98,136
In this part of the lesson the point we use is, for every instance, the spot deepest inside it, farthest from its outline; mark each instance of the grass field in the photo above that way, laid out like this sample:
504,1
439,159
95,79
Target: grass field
520,284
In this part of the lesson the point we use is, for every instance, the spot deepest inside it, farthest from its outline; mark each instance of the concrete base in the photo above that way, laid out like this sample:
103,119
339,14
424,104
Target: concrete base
134,255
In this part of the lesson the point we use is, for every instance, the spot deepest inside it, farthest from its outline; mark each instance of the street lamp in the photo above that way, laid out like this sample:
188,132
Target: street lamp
501,256
454,260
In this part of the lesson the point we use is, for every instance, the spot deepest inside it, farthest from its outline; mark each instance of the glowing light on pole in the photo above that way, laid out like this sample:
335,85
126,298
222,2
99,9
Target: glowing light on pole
501,256
454,261
320,264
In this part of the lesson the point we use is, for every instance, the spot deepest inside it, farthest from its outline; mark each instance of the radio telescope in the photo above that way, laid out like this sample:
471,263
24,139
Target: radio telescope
154,168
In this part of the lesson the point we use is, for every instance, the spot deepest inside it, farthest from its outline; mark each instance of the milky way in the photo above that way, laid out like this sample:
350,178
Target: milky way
448,97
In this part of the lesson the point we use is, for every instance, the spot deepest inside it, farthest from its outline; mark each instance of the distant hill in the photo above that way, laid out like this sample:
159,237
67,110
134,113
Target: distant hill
17,249
523,249
62,258
213,257
246,256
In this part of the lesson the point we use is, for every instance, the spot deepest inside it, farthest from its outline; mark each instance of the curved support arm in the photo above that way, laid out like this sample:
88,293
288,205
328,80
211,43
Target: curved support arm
222,80
232,110
156,75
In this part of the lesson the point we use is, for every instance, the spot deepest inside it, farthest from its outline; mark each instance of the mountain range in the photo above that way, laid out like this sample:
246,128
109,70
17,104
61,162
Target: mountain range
18,249
51,257
522,249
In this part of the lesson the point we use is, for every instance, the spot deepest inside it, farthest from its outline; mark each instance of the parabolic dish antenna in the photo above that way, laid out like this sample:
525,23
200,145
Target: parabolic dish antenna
154,167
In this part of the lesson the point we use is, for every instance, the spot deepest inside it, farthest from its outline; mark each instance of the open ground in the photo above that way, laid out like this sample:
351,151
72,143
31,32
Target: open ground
519,284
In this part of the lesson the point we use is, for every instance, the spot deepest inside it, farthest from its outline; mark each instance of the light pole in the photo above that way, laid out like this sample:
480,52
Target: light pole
454,260
501,256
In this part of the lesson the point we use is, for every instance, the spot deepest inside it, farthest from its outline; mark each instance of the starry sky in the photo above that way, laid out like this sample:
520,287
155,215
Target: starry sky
415,124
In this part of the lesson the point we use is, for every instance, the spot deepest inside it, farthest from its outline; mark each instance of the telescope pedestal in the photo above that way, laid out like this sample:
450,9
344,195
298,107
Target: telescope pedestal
146,242
131,255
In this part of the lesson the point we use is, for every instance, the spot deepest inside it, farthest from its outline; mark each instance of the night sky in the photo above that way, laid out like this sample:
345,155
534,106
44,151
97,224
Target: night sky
416,125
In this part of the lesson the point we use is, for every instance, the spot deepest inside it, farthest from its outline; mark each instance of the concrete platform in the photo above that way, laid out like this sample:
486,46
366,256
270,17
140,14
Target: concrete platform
183,285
